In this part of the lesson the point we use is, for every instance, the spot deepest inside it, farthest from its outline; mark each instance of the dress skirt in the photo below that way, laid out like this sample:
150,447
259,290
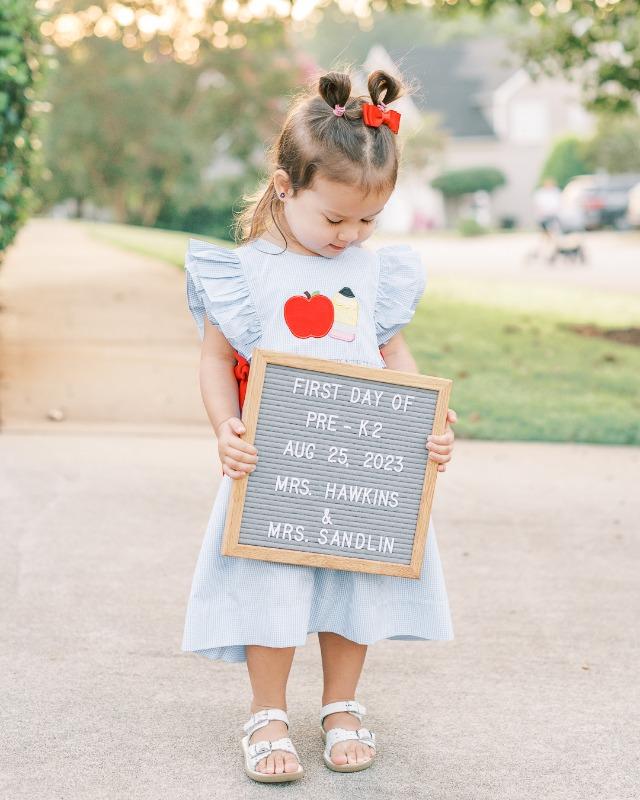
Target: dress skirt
239,601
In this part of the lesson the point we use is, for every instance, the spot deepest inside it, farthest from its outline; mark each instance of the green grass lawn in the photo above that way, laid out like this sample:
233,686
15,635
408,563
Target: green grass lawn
165,245
522,376
518,373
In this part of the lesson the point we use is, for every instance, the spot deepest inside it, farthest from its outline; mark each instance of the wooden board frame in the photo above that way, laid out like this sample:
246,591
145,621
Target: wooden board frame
251,410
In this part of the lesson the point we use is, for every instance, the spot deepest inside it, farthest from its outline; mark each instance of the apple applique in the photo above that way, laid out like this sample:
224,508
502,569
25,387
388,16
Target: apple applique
309,315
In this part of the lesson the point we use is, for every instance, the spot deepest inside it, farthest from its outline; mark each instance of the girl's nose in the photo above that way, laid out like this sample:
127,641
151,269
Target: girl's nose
347,236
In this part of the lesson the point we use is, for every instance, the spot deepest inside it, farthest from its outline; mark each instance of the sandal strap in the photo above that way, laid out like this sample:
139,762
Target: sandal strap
336,735
343,705
264,717
259,750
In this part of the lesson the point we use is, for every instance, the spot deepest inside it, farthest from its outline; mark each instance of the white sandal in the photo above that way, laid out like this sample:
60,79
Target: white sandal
336,735
254,753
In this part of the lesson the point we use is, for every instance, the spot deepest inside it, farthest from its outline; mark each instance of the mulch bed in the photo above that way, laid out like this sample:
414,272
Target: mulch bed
621,335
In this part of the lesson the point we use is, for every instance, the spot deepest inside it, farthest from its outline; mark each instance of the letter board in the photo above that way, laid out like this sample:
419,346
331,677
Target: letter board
343,478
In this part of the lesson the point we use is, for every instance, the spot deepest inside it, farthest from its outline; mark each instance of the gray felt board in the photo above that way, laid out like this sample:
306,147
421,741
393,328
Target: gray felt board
301,497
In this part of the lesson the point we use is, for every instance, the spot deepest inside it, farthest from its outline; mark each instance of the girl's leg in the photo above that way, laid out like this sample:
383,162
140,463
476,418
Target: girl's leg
269,671
342,662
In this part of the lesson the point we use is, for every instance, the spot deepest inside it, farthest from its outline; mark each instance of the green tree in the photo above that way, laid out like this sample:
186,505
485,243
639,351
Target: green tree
119,131
615,146
566,160
138,136
596,42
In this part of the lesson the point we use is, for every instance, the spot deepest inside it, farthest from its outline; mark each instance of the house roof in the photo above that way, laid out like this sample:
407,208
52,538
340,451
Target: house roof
456,79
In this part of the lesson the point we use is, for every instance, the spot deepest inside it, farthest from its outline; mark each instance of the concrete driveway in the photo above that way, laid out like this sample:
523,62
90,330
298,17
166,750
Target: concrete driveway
536,697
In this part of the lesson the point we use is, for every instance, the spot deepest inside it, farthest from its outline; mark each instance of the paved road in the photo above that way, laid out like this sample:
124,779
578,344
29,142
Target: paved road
612,265
101,518
101,335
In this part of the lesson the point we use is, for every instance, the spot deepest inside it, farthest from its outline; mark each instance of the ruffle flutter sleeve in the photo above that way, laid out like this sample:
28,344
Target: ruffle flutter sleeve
401,283
218,290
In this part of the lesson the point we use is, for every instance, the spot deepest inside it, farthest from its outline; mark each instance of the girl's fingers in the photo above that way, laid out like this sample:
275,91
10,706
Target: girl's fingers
238,466
232,473
239,444
443,438
440,459
451,416
247,458
432,447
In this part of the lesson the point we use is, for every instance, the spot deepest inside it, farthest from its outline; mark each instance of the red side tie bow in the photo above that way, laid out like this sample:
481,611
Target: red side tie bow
241,371
375,116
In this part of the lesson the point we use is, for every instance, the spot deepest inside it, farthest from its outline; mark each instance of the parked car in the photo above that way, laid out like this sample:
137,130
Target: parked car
597,201
633,209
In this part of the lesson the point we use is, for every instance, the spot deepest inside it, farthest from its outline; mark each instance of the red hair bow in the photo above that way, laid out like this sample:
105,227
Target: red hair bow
375,116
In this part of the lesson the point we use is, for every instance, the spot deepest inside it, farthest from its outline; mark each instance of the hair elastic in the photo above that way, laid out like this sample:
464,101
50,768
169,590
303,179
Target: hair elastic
338,110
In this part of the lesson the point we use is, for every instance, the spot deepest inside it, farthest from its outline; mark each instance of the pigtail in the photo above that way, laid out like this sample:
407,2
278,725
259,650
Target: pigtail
335,89
383,88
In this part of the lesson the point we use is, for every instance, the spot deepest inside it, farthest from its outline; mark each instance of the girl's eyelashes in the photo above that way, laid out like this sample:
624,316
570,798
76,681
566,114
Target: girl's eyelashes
338,221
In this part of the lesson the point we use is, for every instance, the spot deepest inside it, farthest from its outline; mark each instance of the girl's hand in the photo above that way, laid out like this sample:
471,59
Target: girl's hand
238,458
440,447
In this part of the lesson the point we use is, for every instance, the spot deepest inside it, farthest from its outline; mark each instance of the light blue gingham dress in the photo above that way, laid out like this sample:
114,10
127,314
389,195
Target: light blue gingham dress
237,601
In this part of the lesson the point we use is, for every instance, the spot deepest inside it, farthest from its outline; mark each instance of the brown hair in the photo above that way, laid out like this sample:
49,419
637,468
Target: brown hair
314,140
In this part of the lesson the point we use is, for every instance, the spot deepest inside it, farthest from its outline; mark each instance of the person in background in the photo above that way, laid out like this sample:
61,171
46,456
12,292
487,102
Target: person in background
546,205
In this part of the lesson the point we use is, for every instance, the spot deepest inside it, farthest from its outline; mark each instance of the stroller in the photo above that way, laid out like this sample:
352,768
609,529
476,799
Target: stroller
560,241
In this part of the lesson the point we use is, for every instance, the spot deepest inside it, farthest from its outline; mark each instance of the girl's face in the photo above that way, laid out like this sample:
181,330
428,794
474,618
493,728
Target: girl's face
328,217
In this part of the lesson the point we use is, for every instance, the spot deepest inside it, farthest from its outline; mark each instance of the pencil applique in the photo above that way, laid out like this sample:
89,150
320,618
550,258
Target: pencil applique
345,317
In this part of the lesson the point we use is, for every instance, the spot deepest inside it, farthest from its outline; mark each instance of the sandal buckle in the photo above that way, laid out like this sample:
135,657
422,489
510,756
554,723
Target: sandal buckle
365,735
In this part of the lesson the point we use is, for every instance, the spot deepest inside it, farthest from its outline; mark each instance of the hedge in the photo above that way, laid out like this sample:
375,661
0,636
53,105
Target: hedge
465,181
20,71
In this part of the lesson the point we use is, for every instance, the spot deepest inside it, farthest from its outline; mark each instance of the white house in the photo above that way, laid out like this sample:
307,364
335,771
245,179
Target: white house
494,114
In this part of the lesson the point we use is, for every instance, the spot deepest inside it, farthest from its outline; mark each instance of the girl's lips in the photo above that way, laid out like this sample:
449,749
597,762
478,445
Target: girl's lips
335,247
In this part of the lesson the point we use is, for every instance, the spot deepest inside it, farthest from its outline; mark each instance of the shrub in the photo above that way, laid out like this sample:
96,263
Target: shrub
19,76
566,160
466,181
469,227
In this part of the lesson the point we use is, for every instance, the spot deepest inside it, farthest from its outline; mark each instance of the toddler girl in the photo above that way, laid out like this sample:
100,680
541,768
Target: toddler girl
334,167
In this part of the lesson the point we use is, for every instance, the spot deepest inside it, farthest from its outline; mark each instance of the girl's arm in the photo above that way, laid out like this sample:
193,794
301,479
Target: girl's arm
397,355
218,384
219,390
